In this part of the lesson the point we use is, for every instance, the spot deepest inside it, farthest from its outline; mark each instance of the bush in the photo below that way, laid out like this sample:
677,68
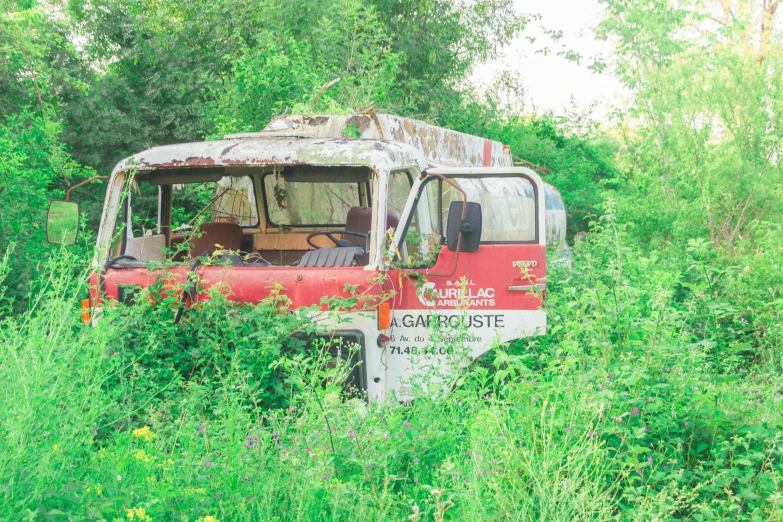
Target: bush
622,411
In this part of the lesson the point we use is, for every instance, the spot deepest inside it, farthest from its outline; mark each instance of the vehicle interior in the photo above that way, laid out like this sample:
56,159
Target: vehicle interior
298,215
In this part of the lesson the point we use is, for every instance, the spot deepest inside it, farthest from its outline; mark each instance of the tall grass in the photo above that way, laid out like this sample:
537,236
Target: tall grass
647,399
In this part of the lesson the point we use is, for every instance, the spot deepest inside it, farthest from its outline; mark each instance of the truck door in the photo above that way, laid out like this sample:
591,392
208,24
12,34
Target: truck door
467,302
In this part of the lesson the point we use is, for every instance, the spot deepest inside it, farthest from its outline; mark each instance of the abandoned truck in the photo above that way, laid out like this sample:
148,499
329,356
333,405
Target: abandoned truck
434,229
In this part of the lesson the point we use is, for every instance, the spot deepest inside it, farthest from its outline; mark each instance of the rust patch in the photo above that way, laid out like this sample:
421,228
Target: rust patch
361,121
398,134
316,120
408,125
261,162
227,149
169,164
200,162
234,162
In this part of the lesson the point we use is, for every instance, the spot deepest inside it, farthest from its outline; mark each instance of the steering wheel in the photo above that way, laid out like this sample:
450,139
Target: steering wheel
337,242
112,261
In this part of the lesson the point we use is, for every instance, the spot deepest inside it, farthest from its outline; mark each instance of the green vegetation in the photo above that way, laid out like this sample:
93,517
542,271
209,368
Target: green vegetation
656,393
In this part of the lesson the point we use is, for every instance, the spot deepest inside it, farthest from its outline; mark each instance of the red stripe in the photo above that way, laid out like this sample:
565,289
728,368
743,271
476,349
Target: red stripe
487,153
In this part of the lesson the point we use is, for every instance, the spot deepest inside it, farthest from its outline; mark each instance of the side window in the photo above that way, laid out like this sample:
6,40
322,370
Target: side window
422,237
142,198
508,208
400,183
140,225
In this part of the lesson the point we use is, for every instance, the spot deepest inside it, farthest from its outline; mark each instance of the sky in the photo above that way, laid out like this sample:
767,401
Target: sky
551,81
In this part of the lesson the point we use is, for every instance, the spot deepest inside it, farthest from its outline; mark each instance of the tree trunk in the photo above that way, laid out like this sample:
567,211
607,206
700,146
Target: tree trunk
726,5
769,8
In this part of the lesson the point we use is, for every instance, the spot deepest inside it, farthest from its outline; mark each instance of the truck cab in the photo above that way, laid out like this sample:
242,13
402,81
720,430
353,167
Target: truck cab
443,239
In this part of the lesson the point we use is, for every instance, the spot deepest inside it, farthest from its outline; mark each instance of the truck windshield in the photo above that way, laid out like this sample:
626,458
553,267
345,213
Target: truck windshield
181,214
309,203
145,229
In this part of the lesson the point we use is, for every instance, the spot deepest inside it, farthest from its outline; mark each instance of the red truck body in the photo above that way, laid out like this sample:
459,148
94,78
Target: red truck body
421,297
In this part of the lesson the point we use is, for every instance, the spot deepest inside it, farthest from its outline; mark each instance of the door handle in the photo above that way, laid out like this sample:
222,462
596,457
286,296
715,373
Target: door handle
538,287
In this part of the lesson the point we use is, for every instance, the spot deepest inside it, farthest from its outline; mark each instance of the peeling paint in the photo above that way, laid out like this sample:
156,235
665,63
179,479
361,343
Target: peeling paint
386,141
279,151
441,147
362,122
200,162
316,120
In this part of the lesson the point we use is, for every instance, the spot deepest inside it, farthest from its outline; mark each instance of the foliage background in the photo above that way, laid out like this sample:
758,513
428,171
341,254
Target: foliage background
655,394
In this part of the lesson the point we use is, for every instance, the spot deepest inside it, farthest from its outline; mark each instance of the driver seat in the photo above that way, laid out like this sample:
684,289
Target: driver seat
358,219
350,250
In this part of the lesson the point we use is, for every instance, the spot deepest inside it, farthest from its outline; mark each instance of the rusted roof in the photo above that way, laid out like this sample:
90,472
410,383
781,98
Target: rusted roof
441,146
277,151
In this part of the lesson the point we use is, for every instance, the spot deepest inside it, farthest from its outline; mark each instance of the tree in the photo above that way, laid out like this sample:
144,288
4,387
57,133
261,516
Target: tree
441,40
703,135
39,70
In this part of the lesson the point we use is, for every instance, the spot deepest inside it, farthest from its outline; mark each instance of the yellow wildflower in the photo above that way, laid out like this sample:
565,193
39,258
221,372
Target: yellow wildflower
95,489
142,456
138,514
208,518
144,433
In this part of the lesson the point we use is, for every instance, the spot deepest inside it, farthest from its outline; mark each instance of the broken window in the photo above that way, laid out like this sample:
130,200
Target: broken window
421,242
229,200
138,232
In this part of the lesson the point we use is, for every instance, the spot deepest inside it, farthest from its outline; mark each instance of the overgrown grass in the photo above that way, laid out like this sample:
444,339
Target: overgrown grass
656,394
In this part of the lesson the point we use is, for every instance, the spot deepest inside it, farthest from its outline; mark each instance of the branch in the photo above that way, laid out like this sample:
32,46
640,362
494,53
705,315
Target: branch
38,94
323,89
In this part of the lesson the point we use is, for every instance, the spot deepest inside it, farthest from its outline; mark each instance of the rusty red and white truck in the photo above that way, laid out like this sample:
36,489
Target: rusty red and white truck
436,230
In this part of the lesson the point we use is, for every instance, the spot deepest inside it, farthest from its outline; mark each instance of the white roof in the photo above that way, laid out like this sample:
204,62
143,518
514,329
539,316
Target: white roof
279,151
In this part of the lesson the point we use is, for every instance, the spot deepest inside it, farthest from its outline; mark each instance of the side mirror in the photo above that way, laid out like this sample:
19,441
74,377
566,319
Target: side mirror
470,227
62,223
